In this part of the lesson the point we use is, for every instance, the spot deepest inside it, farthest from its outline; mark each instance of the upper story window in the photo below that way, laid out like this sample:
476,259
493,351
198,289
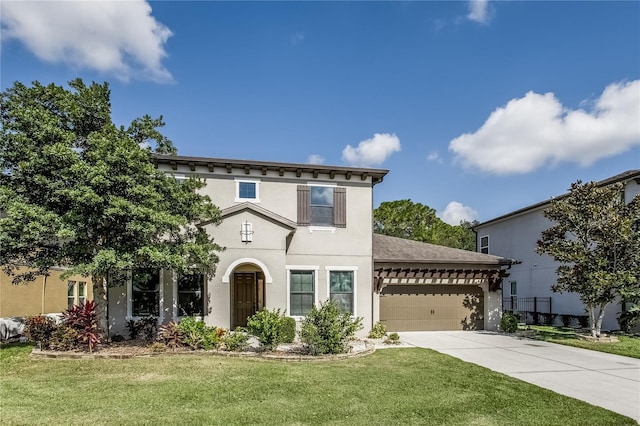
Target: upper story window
322,205
484,244
514,288
247,190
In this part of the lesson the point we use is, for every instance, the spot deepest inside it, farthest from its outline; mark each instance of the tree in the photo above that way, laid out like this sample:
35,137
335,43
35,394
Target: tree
596,238
78,192
415,221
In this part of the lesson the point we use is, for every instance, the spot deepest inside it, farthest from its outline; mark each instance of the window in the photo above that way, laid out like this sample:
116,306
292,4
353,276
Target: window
301,292
322,205
484,244
191,295
145,292
514,288
76,293
247,190
342,289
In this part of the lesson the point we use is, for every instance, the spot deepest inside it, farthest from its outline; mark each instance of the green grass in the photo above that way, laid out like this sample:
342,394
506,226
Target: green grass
391,386
626,346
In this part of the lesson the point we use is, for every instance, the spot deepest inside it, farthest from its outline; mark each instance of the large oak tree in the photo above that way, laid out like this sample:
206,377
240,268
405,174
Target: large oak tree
79,192
596,239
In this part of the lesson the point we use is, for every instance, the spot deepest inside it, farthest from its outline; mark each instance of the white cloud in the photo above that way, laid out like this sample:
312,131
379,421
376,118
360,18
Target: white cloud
372,151
479,11
456,212
315,159
536,130
434,156
120,38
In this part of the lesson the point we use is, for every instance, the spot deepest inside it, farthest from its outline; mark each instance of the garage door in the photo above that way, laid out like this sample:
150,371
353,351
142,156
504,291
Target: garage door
432,307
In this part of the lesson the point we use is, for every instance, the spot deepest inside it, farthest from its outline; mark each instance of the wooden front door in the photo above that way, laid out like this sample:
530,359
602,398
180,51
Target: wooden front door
244,297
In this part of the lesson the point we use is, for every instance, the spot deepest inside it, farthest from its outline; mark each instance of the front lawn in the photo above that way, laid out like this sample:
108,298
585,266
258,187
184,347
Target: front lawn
391,386
626,346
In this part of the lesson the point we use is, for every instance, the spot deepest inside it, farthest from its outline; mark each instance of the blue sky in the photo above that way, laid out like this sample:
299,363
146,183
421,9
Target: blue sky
476,108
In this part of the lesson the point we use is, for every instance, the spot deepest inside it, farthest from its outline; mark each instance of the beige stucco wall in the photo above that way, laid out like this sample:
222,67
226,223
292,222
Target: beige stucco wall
42,296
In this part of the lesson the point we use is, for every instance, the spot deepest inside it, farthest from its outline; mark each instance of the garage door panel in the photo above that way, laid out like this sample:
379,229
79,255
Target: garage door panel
432,307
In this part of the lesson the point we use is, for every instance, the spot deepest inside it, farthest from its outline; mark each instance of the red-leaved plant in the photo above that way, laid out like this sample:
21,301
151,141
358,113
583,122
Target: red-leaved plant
84,319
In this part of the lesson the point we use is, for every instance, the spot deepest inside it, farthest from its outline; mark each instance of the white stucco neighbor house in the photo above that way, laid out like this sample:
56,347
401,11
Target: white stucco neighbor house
515,236
296,235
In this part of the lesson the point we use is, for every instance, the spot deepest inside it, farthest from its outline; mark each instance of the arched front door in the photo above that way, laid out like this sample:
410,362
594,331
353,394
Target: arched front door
248,294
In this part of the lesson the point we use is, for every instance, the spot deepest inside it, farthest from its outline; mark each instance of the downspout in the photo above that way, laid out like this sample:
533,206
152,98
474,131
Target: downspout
44,287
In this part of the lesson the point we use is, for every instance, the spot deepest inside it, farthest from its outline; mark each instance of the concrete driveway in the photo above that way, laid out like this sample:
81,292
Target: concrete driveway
605,380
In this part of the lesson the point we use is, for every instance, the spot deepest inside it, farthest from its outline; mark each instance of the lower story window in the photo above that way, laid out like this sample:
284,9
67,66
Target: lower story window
76,293
302,292
341,290
145,292
191,295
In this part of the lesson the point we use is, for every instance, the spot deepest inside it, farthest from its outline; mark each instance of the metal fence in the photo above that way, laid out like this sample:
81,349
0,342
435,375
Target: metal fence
532,310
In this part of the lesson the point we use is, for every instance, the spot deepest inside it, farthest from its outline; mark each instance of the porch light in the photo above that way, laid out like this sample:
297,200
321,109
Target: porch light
246,232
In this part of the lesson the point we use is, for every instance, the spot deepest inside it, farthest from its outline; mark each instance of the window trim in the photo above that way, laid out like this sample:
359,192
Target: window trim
239,199
353,269
130,315
174,282
483,247
315,269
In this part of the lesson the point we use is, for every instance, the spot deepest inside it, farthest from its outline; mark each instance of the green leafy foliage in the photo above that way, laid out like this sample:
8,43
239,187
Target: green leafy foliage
393,339
415,221
237,340
146,328
509,323
39,329
326,330
267,326
64,338
81,192
378,331
288,330
197,335
596,240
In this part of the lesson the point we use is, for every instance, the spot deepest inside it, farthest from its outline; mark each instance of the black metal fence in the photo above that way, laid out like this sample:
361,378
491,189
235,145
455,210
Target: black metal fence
532,310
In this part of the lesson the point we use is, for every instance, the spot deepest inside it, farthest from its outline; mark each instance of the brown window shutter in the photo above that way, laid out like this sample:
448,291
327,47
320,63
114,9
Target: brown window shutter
304,205
340,207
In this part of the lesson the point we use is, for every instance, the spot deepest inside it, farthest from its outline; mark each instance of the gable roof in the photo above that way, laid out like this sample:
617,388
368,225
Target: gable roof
261,212
621,177
387,249
263,166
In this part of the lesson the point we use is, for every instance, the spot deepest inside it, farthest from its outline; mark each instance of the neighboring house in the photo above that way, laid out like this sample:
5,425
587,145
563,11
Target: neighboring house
296,235
515,236
46,295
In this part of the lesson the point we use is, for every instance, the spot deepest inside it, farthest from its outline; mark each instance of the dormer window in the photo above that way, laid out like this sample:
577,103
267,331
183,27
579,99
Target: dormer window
247,190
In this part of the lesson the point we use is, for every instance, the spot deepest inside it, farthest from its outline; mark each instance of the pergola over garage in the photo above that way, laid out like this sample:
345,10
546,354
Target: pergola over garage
423,286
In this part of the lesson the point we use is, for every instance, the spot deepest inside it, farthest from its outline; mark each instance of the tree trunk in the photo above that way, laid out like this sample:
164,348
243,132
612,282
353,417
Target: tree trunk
600,318
100,297
592,320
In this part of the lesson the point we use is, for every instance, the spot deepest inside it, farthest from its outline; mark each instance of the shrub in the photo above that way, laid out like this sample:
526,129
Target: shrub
378,331
236,341
267,327
64,338
326,330
146,327
509,323
39,329
393,339
629,318
171,336
84,319
288,330
197,335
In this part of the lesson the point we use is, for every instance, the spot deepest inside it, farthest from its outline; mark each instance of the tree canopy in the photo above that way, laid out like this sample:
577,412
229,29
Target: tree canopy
416,221
81,193
596,238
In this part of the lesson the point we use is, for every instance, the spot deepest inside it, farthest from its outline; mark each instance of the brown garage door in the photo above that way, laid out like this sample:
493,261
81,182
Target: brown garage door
432,307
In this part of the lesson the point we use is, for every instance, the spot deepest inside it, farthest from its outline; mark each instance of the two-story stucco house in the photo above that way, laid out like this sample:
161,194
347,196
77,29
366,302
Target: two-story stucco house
296,235
515,235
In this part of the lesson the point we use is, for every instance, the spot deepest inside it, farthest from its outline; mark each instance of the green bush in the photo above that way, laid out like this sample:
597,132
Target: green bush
378,331
198,335
393,339
267,326
288,330
40,329
64,338
236,341
326,330
509,323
